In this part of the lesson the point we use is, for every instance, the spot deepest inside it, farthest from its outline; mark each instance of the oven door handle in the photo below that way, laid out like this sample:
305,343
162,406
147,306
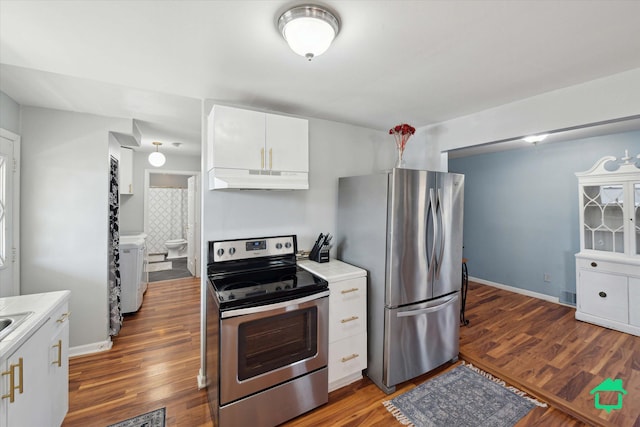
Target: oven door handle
269,307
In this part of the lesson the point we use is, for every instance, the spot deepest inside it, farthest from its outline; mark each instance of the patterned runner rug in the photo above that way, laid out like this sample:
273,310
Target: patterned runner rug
150,419
463,396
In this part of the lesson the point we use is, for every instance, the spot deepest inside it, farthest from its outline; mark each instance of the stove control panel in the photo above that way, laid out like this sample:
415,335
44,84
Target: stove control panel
228,250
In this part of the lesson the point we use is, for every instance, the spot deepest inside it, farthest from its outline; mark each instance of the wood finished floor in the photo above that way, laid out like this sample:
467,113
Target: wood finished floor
533,344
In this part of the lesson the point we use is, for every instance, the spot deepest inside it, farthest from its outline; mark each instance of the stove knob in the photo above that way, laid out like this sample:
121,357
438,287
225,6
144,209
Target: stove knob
232,296
287,287
287,245
278,288
232,251
220,252
278,245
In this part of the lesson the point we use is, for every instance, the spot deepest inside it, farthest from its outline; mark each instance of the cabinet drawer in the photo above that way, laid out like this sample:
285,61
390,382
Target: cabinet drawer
634,301
347,308
598,265
60,317
347,357
603,295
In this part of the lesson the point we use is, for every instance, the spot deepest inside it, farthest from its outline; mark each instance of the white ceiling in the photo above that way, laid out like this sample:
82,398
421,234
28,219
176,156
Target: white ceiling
419,62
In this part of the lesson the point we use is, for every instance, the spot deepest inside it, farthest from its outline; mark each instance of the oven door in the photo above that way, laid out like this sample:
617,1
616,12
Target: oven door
264,346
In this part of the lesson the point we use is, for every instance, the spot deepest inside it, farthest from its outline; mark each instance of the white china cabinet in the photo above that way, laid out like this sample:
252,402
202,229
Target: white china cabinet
608,264
253,149
347,319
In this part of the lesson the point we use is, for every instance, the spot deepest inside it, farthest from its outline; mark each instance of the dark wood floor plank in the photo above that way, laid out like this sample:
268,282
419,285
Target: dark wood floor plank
532,344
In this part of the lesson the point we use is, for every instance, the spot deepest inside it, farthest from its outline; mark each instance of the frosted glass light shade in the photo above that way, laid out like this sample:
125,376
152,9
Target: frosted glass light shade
309,30
157,159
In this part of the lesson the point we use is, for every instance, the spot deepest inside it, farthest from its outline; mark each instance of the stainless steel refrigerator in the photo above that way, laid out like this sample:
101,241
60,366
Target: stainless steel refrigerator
405,228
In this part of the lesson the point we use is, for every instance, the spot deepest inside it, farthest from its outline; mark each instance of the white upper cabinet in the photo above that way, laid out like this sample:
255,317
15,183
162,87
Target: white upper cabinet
287,143
255,150
125,170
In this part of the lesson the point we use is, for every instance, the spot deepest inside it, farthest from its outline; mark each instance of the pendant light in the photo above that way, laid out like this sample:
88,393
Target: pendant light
156,158
309,30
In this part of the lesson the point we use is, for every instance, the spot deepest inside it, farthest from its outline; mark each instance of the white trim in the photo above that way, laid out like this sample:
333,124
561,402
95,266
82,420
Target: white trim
526,292
92,348
608,323
15,139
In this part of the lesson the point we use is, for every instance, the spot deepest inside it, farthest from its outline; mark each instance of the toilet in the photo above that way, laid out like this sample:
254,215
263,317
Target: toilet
177,248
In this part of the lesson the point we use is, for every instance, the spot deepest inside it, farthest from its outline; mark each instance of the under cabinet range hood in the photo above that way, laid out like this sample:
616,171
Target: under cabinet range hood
254,150
220,179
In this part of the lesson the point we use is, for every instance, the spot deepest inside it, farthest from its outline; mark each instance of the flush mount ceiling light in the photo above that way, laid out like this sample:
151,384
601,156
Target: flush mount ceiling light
535,138
308,29
156,158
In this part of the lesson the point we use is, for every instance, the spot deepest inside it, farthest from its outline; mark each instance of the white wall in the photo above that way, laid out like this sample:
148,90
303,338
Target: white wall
9,114
335,150
64,213
132,206
604,99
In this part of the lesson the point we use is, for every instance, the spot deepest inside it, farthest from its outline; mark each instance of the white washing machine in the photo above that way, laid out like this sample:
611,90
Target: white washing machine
132,275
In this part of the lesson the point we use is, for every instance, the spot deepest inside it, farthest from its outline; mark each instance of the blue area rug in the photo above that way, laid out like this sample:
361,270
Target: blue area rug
150,419
463,396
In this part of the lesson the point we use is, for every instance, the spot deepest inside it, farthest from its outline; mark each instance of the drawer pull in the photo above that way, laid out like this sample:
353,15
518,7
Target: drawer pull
12,380
59,347
594,264
349,319
602,294
348,291
64,317
346,359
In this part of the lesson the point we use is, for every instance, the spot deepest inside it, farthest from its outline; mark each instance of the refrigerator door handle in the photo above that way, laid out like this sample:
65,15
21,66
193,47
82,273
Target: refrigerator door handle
442,234
426,310
432,208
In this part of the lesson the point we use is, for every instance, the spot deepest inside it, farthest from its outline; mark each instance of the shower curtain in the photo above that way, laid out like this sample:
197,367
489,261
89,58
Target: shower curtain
115,313
167,216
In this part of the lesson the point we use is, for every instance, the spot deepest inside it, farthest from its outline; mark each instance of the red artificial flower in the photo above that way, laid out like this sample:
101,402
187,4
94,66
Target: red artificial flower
402,133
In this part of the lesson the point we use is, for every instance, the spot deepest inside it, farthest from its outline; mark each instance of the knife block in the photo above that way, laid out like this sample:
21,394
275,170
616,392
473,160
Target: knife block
321,255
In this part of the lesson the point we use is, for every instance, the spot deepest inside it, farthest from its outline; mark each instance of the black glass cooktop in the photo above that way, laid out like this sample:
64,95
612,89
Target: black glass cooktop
254,288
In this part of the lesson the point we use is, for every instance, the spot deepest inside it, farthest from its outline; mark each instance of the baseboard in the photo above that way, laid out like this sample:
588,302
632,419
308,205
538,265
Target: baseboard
518,290
97,347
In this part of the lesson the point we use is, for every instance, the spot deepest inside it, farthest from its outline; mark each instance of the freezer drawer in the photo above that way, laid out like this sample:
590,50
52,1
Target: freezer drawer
420,337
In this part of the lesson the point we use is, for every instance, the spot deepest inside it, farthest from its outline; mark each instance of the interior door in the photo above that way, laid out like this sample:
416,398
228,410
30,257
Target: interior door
8,219
191,225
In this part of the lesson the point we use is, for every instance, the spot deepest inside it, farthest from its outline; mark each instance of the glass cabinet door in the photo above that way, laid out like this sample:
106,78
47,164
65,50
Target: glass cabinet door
603,217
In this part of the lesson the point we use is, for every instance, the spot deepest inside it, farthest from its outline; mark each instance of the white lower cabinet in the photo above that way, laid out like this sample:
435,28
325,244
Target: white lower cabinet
608,293
59,365
35,377
24,386
347,320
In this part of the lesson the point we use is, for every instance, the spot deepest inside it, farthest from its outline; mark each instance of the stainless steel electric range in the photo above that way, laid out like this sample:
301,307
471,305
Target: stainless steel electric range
267,333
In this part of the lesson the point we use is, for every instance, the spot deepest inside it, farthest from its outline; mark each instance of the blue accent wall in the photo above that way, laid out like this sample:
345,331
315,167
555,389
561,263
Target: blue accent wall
521,217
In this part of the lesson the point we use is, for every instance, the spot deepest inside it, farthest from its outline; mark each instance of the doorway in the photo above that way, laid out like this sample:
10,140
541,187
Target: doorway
172,223
9,213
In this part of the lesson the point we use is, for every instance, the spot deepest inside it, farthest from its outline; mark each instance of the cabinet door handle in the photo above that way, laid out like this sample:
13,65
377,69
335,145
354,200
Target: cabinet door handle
602,294
63,318
270,158
262,158
59,361
130,188
594,264
12,380
349,319
346,359
348,291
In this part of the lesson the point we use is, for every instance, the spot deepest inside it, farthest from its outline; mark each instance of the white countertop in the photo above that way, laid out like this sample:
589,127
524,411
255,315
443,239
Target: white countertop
333,271
42,306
